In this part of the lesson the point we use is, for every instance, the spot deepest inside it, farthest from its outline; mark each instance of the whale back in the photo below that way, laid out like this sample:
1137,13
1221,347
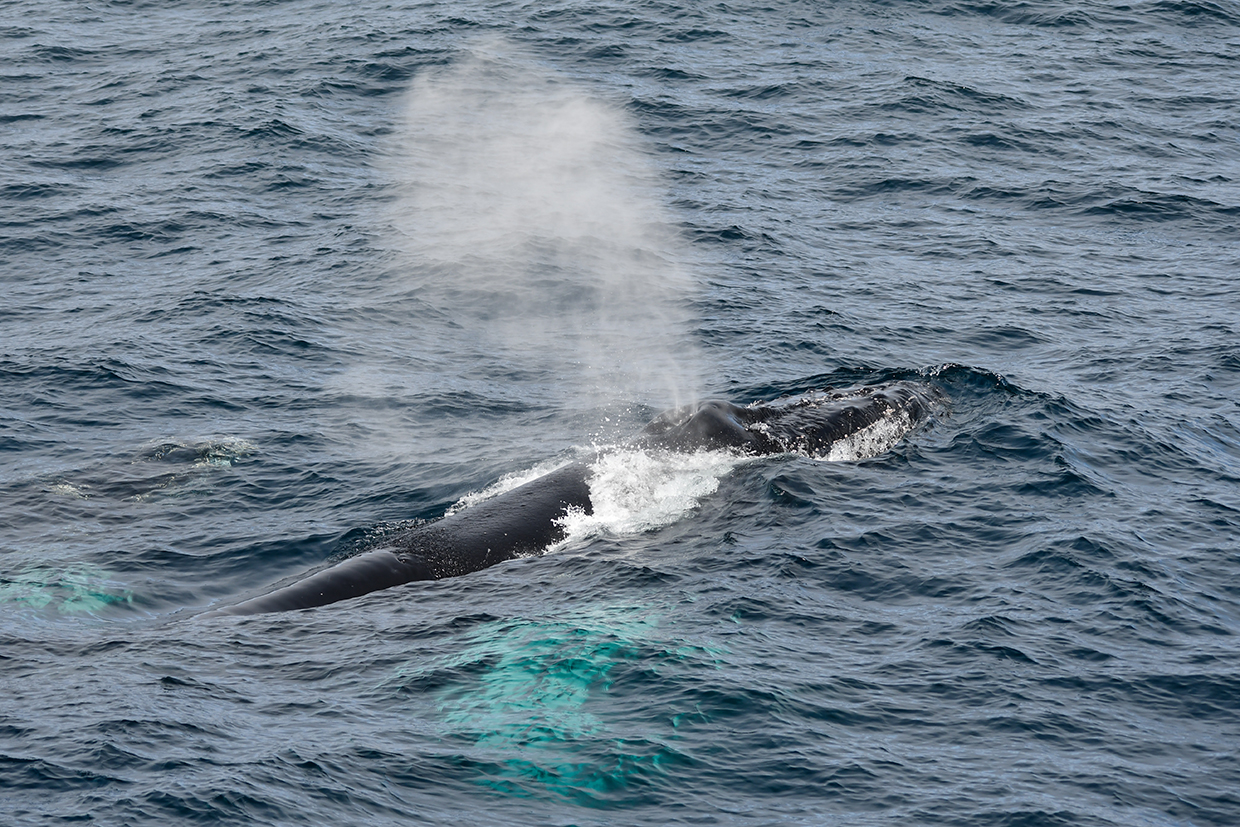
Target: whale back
517,523
528,519
523,521
809,424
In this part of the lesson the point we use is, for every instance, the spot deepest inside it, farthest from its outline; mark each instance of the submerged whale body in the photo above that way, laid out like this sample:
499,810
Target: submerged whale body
529,518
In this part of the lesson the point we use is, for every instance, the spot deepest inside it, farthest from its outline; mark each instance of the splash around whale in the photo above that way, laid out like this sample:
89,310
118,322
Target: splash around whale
526,520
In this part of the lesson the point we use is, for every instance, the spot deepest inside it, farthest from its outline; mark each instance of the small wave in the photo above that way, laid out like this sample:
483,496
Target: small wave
161,466
224,451
1192,13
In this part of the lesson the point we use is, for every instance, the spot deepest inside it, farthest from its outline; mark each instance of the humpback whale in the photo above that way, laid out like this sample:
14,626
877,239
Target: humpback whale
528,519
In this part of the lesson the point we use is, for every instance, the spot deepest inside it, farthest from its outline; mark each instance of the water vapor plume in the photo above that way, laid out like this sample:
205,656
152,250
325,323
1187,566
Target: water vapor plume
534,234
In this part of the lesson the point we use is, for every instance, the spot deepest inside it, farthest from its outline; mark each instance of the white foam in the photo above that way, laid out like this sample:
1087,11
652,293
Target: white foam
66,489
871,440
634,490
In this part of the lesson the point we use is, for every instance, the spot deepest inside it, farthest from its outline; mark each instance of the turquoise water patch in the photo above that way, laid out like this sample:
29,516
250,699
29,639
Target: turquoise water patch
79,589
523,700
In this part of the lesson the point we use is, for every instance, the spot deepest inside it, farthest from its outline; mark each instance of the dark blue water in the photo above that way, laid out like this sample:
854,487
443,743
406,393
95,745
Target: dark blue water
279,278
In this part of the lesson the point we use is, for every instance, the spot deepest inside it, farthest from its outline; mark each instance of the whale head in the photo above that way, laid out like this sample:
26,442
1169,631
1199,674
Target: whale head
706,426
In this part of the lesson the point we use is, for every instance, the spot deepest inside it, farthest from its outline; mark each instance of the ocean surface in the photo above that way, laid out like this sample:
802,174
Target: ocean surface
278,279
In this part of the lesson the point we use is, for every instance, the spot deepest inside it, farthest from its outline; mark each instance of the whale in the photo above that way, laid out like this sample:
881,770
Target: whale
528,519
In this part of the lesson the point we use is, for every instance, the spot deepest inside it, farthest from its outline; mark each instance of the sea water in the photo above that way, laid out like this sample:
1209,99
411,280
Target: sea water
281,278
